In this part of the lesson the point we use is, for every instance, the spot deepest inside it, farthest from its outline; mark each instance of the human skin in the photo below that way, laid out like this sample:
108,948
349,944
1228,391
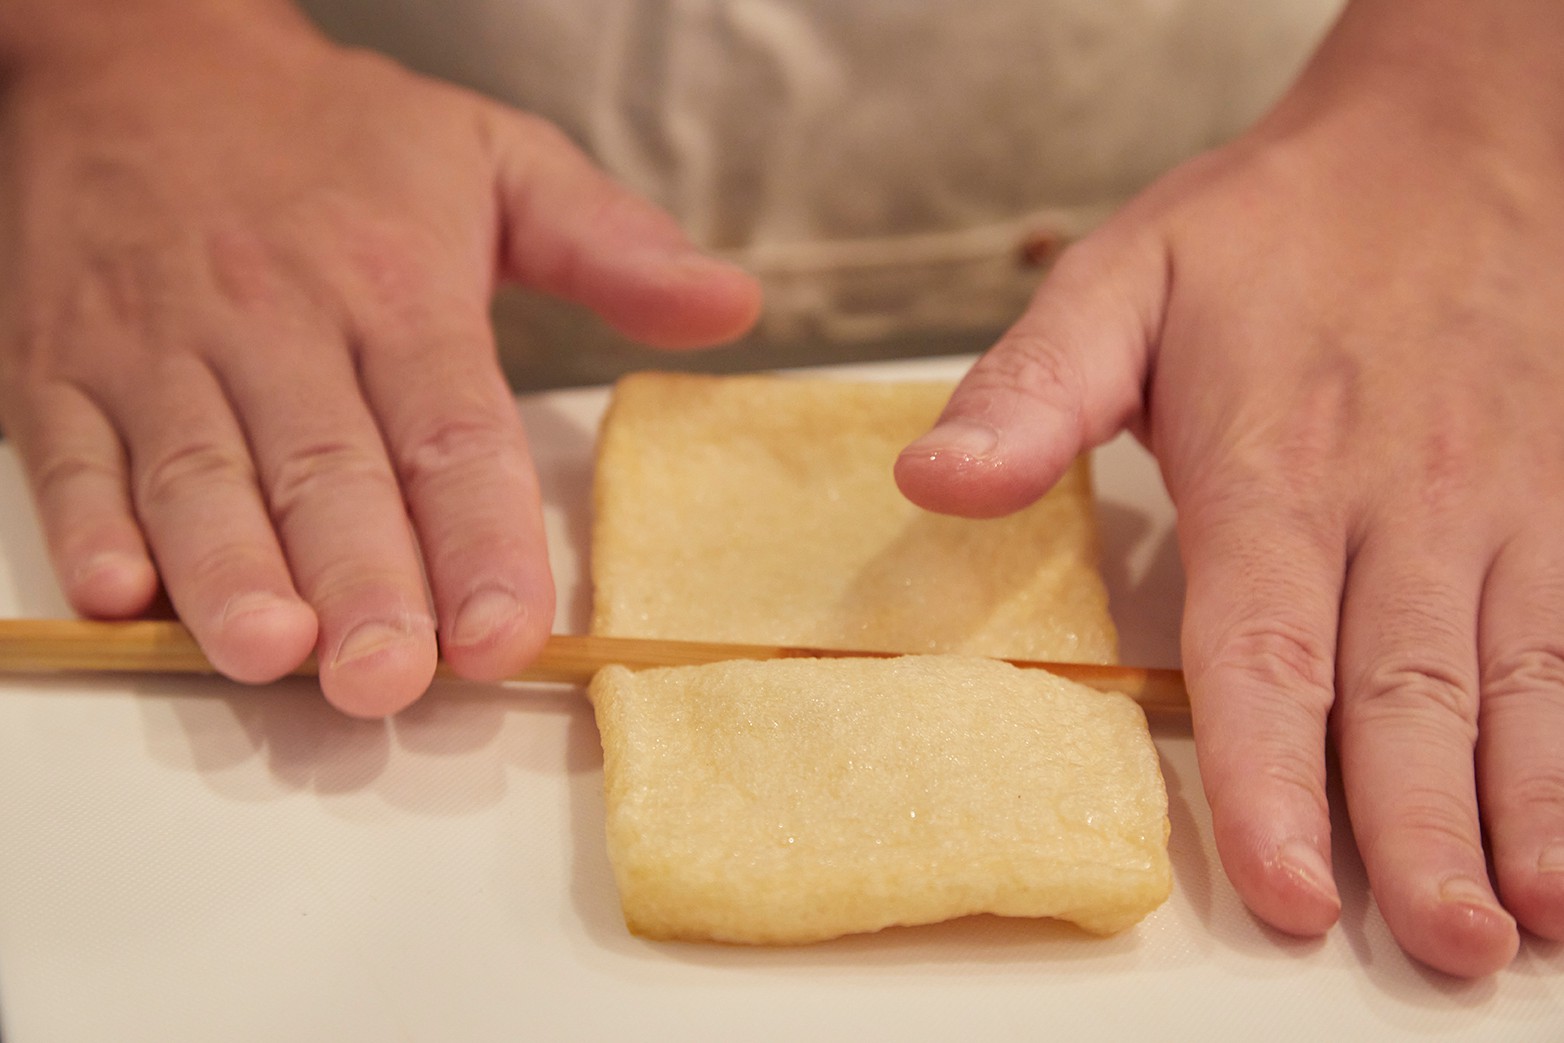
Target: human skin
244,279
244,334
1343,338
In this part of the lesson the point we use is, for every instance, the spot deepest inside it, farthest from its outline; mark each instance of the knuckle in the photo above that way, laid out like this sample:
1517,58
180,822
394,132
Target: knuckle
1264,472
1425,690
192,468
394,266
55,474
1034,365
244,269
1281,654
1449,463
453,446
1419,669
1537,792
407,270
1436,817
316,469
1530,671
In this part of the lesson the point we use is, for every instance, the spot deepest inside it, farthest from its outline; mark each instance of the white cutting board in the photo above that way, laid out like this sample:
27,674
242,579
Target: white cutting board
183,859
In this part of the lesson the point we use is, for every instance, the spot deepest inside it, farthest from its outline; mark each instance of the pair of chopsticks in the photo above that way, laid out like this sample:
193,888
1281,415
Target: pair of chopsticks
156,646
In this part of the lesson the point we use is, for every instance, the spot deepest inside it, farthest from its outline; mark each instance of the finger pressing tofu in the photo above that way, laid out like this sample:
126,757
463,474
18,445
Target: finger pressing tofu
763,509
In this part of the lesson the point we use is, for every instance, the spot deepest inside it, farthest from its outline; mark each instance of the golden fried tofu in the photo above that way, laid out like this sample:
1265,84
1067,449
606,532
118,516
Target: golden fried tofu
763,509
797,800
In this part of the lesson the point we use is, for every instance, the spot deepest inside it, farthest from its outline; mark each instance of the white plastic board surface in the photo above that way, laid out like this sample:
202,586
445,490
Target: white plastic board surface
184,859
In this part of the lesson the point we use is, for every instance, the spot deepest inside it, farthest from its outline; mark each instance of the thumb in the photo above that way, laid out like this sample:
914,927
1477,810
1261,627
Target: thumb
572,231
1069,375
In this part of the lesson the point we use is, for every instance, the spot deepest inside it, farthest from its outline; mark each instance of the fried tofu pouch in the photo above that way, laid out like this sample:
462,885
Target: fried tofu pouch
798,800
763,509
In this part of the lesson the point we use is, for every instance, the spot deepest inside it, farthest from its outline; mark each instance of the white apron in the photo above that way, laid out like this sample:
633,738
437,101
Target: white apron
880,164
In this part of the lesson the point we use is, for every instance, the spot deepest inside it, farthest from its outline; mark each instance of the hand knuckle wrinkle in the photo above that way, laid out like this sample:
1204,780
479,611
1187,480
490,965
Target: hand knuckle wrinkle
193,466
453,445
316,469
55,474
1283,656
1436,816
1538,791
1035,366
1529,671
1402,689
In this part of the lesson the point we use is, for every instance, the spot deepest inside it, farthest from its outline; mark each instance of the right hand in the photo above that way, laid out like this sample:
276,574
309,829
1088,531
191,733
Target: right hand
245,346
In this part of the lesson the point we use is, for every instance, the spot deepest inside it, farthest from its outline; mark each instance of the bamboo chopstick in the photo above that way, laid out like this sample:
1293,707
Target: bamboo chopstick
157,646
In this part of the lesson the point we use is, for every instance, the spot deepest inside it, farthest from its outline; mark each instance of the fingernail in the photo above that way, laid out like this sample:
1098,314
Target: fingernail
971,439
1551,860
482,614
252,603
108,562
112,583
366,639
102,562
1303,862
1463,890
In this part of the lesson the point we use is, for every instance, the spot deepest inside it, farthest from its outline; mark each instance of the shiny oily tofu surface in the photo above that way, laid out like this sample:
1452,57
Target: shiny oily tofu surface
797,800
763,509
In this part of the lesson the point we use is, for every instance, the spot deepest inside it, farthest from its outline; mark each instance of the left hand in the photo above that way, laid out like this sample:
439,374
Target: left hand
1343,338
